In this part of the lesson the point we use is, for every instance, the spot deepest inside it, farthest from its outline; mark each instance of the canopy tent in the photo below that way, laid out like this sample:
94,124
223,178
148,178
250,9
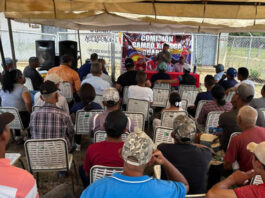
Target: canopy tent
134,15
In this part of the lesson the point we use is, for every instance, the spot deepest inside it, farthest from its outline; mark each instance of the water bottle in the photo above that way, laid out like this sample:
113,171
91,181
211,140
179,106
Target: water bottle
194,69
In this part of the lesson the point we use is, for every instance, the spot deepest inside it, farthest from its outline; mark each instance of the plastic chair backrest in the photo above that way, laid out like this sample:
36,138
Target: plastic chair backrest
212,120
66,90
16,123
184,104
98,172
47,154
199,107
183,88
137,118
100,136
142,106
82,120
168,117
28,84
229,97
163,135
190,96
98,99
125,95
160,97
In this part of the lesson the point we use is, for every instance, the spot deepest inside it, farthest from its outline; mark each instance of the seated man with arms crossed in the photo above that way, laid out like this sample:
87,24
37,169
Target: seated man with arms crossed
192,160
106,153
14,182
239,178
138,152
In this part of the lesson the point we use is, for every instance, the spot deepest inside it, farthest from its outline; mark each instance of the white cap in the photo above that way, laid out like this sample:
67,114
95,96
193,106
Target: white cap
54,78
187,67
258,150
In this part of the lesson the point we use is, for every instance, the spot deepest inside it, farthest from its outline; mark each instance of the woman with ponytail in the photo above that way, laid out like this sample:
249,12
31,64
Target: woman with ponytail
175,105
218,104
87,95
15,94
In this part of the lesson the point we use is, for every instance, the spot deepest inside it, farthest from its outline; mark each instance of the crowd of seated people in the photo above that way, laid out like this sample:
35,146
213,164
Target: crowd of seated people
187,166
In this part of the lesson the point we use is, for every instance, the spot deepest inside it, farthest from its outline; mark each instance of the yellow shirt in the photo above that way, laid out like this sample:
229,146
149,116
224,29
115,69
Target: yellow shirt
67,74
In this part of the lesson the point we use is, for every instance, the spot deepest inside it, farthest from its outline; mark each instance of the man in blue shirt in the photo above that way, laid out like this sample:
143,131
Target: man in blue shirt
85,68
138,152
230,81
209,82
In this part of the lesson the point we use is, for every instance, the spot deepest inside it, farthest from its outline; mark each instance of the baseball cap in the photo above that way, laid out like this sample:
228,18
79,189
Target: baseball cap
187,67
5,118
129,62
111,94
48,87
219,67
54,78
138,148
258,150
245,91
8,60
162,66
184,128
231,72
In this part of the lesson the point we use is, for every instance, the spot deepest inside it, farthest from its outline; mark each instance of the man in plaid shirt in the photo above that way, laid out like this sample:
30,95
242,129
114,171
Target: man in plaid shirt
50,121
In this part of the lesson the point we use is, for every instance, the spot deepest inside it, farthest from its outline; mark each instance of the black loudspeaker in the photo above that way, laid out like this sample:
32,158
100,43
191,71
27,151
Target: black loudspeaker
69,48
45,51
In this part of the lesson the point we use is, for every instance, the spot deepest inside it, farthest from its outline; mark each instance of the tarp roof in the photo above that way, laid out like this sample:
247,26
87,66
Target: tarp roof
135,15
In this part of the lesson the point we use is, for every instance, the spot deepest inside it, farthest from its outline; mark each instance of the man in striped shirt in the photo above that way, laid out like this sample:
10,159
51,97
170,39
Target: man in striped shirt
14,182
50,121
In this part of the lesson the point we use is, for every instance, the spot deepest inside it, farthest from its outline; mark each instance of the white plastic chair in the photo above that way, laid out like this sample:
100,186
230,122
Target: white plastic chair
199,107
100,136
66,90
98,99
235,165
162,86
229,97
167,117
98,172
263,111
190,96
135,105
137,118
184,104
163,135
28,84
183,88
14,157
125,95
160,97
82,121
49,155
256,180
212,120
195,195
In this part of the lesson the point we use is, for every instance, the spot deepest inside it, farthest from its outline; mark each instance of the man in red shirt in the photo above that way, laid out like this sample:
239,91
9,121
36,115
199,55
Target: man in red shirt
237,151
223,188
106,153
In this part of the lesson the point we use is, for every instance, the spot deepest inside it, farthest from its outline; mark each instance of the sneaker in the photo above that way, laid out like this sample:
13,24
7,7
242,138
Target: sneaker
78,147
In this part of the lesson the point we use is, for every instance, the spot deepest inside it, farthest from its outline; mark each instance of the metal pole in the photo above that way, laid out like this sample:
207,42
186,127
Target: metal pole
249,49
11,41
218,48
79,44
2,55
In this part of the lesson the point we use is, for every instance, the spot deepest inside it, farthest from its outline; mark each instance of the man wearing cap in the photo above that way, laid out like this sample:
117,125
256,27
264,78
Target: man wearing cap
31,72
240,178
228,120
106,153
14,182
50,121
236,151
178,67
228,80
129,77
161,75
111,100
66,73
62,102
219,69
9,64
138,153
95,80
192,160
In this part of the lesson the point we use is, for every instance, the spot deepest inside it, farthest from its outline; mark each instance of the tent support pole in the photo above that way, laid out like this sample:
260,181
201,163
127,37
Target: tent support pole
2,55
218,48
11,41
79,44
